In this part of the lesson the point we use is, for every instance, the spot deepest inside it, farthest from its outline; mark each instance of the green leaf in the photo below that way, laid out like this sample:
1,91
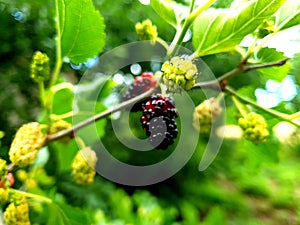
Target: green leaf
288,15
220,30
172,12
93,132
62,102
57,216
269,55
81,29
164,10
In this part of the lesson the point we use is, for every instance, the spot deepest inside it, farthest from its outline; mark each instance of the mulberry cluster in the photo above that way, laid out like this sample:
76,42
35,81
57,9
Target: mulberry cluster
28,140
254,127
40,68
140,85
205,114
83,165
17,214
146,31
179,73
158,120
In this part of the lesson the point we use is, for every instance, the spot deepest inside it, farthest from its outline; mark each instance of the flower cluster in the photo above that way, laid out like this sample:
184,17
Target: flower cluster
40,68
146,31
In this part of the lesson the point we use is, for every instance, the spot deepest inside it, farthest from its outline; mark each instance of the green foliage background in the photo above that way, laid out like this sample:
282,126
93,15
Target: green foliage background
246,184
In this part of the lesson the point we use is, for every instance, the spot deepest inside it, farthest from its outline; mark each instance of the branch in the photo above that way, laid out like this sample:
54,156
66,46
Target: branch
274,113
242,68
70,131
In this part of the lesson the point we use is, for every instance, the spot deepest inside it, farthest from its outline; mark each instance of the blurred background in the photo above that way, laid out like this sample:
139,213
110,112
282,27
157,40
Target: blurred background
246,183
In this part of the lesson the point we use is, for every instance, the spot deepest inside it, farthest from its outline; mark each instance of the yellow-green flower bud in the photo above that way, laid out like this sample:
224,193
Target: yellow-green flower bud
17,214
3,169
40,68
266,28
59,126
146,31
28,140
254,127
205,114
83,166
179,73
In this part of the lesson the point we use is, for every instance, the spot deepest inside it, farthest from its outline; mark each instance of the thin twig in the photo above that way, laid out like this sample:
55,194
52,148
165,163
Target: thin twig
70,131
242,68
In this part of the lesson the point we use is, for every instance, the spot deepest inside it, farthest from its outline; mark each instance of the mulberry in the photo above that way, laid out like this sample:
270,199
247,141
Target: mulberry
158,120
205,114
140,85
17,214
83,171
179,73
28,140
254,127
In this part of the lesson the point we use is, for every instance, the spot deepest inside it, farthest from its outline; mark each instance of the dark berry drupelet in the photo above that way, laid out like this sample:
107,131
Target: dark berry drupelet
140,85
158,120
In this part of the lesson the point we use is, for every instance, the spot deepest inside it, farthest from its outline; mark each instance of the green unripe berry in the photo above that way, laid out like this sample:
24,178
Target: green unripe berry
254,127
146,31
40,68
28,140
205,114
83,171
179,73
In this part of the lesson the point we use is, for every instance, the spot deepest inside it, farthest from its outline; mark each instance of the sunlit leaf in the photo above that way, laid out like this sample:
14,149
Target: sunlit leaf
170,11
220,30
81,30
269,55
288,15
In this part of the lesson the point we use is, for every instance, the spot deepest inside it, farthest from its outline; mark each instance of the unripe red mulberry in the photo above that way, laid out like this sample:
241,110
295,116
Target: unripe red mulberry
254,127
179,73
83,166
205,114
17,214
28,140
140,85
158,121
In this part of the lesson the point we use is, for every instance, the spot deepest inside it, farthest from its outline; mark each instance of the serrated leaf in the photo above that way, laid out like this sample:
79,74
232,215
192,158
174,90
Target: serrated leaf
288,15
170,11
269,55
220,30
81,29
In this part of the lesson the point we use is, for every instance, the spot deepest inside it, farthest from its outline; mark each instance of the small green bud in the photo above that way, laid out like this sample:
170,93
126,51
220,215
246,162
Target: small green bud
179,73
254,127
266,28
146,31
40,68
